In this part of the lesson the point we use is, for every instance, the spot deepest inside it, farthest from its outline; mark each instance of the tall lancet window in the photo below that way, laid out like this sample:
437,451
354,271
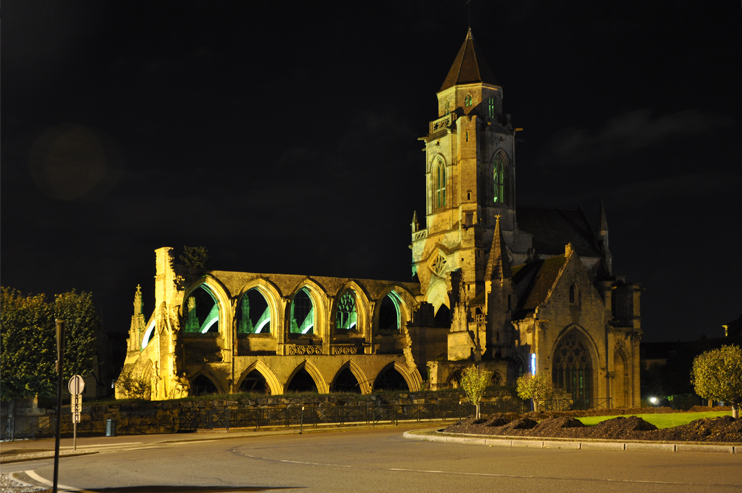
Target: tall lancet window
440,184
499,171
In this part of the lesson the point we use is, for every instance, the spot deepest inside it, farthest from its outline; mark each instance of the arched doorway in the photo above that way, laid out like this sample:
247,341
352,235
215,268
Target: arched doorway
254,383
572,368
390,379
345,382
202,385
302,381
620,391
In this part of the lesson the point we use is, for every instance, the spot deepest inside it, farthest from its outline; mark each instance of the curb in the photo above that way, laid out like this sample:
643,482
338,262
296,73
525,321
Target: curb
424,435
42,455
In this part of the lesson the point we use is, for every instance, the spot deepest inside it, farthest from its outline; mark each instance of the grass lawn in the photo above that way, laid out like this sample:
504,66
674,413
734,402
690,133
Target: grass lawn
659,420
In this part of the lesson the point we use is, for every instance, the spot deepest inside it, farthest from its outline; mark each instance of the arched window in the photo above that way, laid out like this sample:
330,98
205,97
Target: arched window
253,314
390,315
203,311
574,295
500,172
468,100
440,184
346,316
302,313
572,369
448,107
491,107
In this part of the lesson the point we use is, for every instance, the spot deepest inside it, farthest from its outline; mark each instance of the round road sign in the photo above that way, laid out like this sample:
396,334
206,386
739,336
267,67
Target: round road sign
76,385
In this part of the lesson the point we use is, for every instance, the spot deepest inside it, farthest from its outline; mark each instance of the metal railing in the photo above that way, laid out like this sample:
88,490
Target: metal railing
27,426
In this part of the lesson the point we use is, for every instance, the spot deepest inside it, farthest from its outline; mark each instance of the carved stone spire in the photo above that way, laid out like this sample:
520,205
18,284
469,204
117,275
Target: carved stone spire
498,263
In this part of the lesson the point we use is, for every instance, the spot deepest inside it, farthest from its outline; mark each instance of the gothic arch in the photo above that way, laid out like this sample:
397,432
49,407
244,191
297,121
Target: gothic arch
318,295
621,385
434,160
272,296
363,307
574,363
208,374
406,305
219,292
270,378
319,380
501,185
357,372
411,378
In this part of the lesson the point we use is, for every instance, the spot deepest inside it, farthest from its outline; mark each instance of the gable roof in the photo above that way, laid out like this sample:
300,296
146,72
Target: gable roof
469,66
539,277
552,228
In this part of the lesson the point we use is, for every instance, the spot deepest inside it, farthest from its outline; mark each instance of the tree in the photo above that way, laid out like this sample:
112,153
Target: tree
29,342
717,375
538,388
195,259
474,382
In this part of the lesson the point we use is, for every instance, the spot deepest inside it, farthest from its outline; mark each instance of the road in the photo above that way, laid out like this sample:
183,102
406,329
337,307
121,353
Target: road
381,460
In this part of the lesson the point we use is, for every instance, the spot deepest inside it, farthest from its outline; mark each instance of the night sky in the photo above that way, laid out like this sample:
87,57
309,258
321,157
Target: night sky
282,136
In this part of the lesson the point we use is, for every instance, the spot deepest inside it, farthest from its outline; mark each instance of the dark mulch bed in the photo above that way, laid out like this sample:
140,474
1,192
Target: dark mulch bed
565,425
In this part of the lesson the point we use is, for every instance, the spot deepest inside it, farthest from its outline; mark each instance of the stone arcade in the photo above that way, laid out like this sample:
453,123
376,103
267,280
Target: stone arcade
504,286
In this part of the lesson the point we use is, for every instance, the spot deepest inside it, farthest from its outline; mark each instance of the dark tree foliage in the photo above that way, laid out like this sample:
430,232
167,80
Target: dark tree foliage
195,259
29,346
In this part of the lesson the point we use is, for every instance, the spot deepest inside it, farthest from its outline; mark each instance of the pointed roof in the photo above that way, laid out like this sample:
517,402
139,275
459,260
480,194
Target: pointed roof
469,66
498,264
602,222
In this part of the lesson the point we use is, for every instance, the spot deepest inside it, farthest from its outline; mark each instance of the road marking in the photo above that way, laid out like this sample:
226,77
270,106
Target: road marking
106,445
311,463
607,480
38,478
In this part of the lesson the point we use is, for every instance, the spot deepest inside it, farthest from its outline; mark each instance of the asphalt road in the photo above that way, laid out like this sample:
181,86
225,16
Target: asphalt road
381,460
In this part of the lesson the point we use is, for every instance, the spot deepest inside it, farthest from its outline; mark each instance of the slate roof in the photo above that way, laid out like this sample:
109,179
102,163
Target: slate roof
498,265
469,66
539,277
553,228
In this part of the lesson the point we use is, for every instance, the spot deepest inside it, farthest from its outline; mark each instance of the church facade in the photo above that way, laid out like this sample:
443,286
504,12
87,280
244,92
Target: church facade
510,288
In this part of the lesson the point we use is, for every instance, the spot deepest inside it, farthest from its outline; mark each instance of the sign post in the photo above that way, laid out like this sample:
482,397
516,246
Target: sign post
60,369
76,385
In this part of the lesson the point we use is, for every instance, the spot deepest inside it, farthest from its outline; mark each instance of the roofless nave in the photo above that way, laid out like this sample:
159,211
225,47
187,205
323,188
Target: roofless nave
502,285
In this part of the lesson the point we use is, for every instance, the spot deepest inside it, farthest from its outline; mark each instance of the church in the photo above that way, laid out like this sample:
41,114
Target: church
510,288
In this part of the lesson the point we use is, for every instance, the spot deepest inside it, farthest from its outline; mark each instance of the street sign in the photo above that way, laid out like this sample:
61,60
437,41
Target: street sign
76,408
76,385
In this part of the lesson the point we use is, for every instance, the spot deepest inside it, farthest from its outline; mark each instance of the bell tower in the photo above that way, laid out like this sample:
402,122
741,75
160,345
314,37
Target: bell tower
469,177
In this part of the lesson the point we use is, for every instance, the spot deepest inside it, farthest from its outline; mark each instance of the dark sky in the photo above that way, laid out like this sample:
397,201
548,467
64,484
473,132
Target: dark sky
283,137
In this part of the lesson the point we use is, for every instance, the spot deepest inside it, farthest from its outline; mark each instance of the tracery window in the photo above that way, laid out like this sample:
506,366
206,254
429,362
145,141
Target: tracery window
302,313
572,369
440,184
346,316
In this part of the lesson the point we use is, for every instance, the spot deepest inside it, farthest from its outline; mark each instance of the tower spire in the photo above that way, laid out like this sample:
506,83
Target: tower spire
602,222
498,264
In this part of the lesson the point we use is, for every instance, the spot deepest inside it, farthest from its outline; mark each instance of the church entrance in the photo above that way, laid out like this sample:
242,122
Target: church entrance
572,369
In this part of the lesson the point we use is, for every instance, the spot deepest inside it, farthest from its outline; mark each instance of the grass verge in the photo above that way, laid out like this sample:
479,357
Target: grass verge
659,420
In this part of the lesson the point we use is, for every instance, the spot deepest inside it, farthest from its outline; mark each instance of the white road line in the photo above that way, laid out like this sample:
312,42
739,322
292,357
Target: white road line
312,463
104,445
44,481
608,480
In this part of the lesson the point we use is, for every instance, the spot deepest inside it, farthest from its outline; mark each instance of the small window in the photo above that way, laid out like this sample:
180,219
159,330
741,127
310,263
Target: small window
467,136
491,107
467,100
574,295
468,195
448,107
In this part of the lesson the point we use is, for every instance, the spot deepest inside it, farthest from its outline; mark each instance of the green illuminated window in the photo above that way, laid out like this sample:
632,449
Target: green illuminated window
203,311
440,185
491,107
448,107
468,100
302,313
253,314
346,317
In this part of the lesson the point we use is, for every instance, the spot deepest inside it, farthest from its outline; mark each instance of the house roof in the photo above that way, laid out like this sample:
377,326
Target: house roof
553,228
539,277
469,66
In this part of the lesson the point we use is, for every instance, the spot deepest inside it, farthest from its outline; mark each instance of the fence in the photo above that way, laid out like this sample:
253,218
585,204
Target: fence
191,419
574,404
